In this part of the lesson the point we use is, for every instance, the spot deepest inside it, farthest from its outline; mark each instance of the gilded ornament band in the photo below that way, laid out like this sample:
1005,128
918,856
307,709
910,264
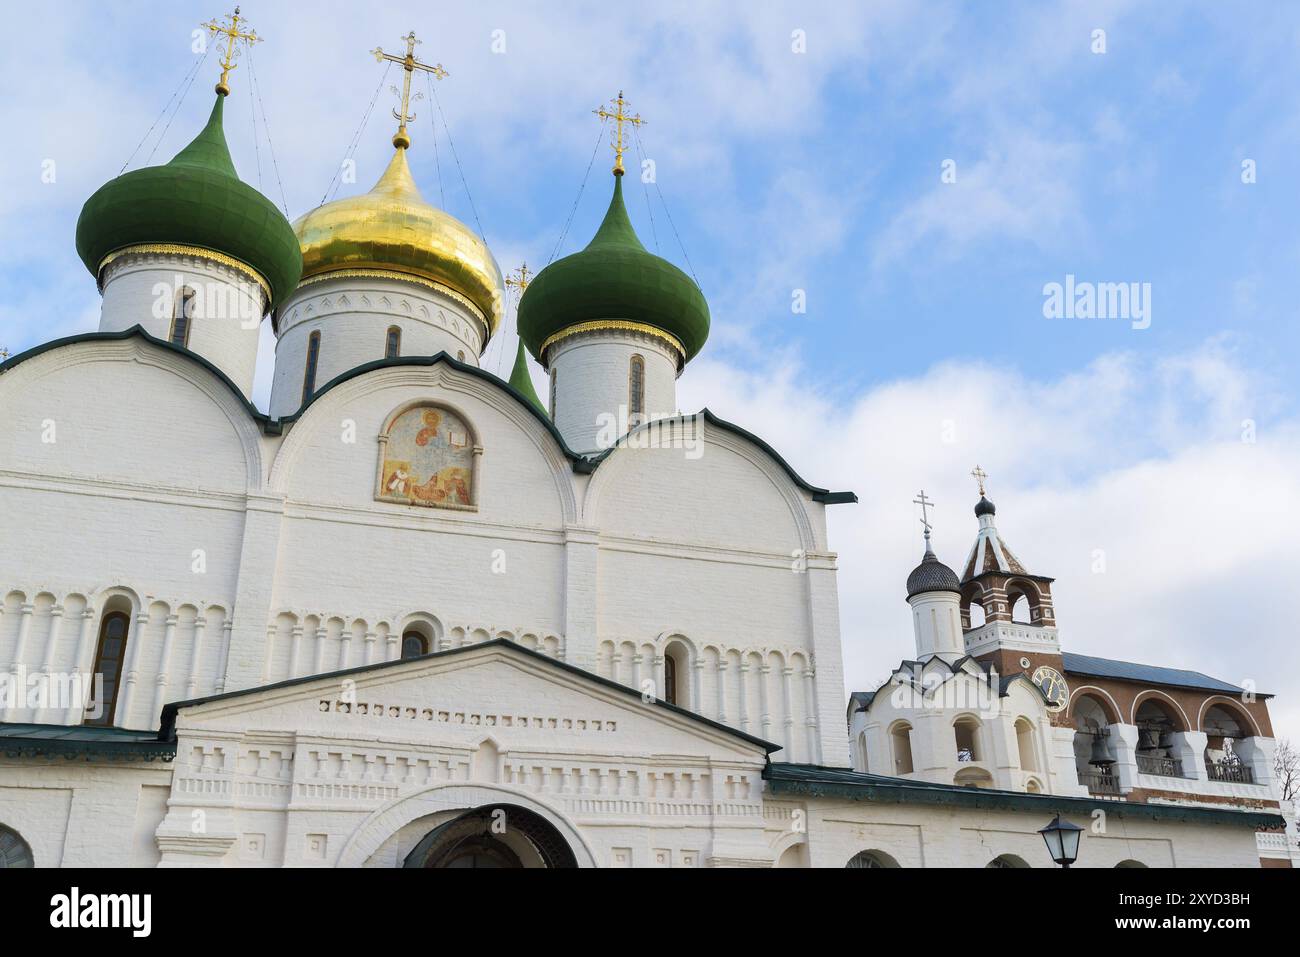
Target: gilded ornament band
616,325
198,252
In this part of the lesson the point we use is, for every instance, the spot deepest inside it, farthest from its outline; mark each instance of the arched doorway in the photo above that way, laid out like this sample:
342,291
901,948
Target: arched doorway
493,836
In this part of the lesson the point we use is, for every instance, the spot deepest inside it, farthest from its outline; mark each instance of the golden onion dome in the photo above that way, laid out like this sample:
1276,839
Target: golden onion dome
392,231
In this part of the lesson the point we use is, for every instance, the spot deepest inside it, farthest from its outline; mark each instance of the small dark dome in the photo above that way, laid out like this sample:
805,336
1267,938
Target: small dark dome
984,507
932,575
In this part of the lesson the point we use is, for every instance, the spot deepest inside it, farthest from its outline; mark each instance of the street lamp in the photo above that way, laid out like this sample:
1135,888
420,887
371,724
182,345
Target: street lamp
1062,840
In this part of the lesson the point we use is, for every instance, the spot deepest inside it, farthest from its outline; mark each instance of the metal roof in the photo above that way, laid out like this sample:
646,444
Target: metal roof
1148,674
72,741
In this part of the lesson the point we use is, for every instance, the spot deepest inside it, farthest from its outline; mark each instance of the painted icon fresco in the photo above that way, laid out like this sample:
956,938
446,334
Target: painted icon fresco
428,459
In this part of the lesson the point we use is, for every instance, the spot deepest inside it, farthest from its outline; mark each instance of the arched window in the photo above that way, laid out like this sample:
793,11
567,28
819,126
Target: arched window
966,732
14,851
677,664
414,644
1025,744
1020,611
1007,861
901,738
182,316
670,679
871,859
113,632
552,393
309,373
635,390
393,343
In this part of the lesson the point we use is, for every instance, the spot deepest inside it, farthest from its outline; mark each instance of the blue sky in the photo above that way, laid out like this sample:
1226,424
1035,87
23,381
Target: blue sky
821,171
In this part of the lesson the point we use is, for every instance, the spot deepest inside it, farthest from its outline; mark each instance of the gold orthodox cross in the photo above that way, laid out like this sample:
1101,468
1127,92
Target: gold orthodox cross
233,35
979,475
518,280
401,139
619,118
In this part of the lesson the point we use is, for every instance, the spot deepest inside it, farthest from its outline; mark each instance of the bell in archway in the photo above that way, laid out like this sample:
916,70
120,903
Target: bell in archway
1101,754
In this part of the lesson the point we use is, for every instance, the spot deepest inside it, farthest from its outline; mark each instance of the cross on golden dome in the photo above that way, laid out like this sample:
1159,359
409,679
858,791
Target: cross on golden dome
619,118
401,139
233,34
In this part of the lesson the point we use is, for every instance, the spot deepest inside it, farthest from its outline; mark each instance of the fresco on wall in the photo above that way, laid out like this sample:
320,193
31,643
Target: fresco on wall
428,459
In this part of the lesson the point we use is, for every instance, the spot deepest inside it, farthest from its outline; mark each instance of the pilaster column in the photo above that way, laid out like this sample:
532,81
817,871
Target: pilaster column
160,679
16,671
697,685
81,667
196,656
744,694
295,650
48,711
722,687
764,712
345,646
134,642
321,634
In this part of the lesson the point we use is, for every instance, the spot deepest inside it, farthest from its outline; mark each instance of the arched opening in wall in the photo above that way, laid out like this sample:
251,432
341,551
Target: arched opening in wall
871,859
496,836
1094,751
14,851
676,668
1025,602
110,653
864,757
309,369
636,390
1026,745
392,343
973,777
1006,861
972,607
966,735
1157,722
900,738
1224,727
183,316
796,855
418,638
1131,863
1033,787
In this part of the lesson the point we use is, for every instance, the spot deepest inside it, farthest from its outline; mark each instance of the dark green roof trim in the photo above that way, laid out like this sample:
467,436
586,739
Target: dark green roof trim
272,426
818,494
168,723
810,780
80,741
260,417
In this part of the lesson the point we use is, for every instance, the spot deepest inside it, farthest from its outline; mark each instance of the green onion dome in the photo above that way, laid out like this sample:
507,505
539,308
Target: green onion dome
522,382
613,283
195,201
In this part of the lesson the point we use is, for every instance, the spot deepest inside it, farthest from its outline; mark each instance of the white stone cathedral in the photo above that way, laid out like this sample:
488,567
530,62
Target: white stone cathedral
412,615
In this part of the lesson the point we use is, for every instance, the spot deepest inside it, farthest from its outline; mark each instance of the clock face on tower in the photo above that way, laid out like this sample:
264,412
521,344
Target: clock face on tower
1052,683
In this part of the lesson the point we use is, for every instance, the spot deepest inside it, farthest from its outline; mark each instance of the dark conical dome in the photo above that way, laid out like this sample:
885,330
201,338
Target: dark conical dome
522,381
195,200
932,575
984,507
614,278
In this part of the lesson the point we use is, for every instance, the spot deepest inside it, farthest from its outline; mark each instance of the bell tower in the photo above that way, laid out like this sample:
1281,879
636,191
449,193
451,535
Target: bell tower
1007,615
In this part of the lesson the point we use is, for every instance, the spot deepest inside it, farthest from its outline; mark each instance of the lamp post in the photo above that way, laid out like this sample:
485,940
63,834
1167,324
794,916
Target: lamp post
1062,840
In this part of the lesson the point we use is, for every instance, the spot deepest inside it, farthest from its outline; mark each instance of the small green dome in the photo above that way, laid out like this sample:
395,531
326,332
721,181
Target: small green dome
614,278
522,382
195,200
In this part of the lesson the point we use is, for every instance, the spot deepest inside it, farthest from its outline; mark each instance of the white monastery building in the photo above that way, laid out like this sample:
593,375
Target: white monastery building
412,615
